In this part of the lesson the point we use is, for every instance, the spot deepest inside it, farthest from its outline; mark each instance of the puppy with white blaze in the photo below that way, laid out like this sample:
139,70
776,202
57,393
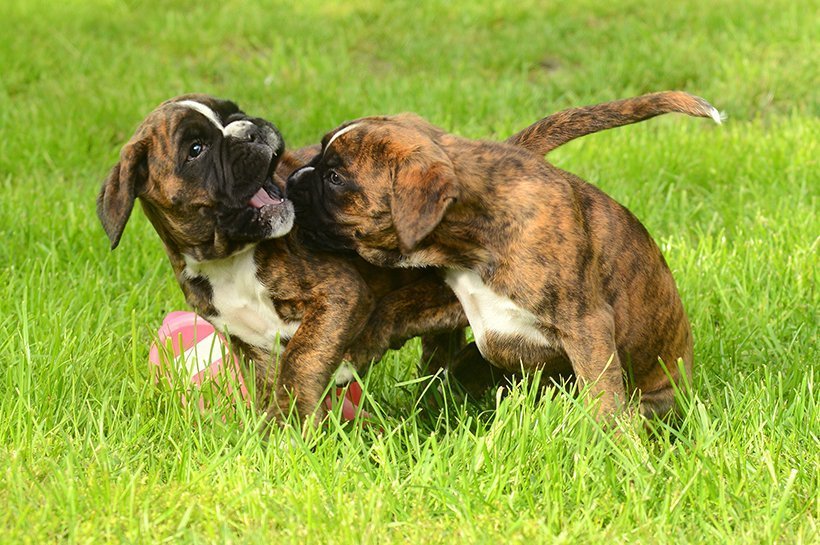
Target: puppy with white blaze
552,273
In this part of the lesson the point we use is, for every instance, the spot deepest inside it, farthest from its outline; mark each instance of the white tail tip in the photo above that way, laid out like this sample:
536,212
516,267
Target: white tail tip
718,117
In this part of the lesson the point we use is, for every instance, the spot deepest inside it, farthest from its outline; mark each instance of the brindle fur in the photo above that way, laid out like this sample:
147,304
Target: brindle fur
403,193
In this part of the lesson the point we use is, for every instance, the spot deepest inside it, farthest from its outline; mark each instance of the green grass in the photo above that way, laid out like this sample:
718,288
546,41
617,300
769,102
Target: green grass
91,451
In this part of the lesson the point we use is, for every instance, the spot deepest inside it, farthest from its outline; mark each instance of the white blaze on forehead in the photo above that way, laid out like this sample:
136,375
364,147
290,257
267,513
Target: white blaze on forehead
204,110
340,133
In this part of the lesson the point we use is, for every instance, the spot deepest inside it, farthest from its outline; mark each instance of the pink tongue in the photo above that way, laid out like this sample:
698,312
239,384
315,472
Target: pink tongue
261,198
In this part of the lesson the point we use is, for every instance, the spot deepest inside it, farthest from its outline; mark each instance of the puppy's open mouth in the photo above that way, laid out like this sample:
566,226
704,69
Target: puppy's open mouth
268,195
257,213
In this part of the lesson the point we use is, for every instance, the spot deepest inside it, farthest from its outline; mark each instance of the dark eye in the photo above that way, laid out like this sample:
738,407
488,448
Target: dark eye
196,150
334,178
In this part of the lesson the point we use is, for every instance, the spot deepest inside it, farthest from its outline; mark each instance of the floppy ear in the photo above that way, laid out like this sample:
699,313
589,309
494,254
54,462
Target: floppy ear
422,193
116,198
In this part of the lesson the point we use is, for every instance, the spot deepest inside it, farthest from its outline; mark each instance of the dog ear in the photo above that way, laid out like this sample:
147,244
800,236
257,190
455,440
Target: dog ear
120,189
422,193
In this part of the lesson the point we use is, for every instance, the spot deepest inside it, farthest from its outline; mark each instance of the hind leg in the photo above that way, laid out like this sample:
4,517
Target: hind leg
660,401
590,344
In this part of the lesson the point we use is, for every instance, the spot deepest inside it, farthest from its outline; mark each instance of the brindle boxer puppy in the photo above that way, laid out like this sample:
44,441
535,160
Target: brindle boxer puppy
551,272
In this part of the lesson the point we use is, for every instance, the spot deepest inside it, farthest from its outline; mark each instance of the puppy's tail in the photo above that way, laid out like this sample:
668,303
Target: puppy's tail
561,127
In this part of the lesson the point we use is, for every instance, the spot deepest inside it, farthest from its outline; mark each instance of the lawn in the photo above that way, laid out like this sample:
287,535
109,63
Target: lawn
92,452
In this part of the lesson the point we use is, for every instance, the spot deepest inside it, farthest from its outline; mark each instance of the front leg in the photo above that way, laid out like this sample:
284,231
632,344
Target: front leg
425,307
315,352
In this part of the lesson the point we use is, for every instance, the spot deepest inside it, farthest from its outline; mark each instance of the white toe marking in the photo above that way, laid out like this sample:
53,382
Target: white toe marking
344,374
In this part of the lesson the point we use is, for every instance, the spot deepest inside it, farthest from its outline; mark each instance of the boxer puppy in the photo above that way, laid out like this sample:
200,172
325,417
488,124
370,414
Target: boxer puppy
205,174
551,272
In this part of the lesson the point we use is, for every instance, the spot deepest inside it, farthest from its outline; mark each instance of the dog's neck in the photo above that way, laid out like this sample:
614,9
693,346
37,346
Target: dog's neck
198,291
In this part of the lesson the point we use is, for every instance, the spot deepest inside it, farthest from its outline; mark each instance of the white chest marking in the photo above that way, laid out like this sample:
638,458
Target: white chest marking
487,311
243,303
